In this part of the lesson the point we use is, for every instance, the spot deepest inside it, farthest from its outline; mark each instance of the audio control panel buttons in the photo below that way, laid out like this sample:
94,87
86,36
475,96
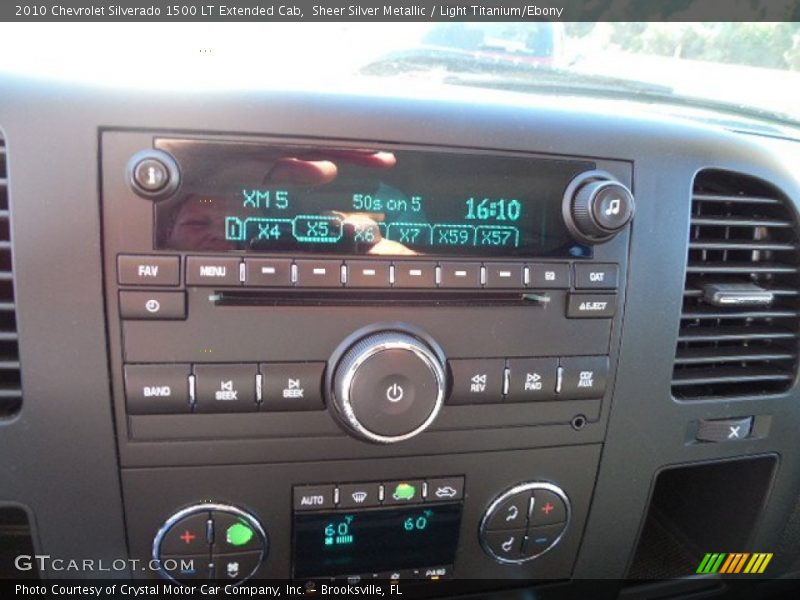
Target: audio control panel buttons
477,381
157,389
524,522
212,270
152,305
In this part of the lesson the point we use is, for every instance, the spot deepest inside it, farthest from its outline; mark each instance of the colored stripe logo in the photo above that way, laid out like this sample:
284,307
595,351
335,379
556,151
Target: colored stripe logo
734,563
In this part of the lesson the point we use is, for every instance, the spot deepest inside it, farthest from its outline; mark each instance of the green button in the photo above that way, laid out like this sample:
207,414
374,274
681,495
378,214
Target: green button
238,534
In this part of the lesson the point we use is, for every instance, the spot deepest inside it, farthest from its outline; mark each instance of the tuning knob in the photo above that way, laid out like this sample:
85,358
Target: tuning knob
388,387
597,207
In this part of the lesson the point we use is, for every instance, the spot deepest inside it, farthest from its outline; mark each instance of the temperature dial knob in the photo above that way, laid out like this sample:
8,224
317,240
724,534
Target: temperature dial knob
388,387
597,207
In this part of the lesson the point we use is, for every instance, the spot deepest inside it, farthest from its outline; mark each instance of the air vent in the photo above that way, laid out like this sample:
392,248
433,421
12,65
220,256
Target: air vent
739,326
10,392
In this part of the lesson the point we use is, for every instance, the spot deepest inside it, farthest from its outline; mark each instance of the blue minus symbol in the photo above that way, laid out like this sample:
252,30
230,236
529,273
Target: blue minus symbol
541,540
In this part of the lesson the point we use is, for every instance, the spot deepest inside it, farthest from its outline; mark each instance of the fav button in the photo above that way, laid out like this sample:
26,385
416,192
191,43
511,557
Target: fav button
225,388
148,270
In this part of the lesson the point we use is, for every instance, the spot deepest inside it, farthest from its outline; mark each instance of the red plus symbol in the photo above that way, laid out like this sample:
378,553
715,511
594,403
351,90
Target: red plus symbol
547,508
187,536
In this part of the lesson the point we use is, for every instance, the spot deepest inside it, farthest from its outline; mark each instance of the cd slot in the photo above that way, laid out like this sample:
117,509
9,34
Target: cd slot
346,297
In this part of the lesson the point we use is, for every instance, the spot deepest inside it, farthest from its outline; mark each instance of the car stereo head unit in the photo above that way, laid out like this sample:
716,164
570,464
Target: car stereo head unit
371,338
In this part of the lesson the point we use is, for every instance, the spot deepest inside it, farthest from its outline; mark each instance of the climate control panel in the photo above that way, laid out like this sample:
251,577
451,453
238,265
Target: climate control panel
210,541
525,522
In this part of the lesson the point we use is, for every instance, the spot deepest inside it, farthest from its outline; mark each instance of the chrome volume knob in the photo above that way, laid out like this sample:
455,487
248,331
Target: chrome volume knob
388,387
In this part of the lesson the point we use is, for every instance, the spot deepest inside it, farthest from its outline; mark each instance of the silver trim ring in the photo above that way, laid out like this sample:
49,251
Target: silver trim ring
207,507
524,487
365,349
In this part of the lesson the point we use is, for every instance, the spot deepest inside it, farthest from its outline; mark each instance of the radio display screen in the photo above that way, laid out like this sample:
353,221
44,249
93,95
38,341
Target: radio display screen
293,199
376,540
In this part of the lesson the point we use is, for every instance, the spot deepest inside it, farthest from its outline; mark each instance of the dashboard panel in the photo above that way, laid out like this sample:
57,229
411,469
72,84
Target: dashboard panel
290,328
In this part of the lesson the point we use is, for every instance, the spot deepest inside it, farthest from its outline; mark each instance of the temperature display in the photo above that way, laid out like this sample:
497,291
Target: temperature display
376,540
274,199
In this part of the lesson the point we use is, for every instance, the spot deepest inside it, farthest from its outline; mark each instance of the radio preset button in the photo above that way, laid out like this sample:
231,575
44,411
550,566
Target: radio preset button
268,272
591,306
225,388
414,274
313,497
367,274
292,386
549,276
460,275
157,389
583,377
206,270
503,275
319,273
477,381
148,270
359,495
531,379
598,277
152,305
